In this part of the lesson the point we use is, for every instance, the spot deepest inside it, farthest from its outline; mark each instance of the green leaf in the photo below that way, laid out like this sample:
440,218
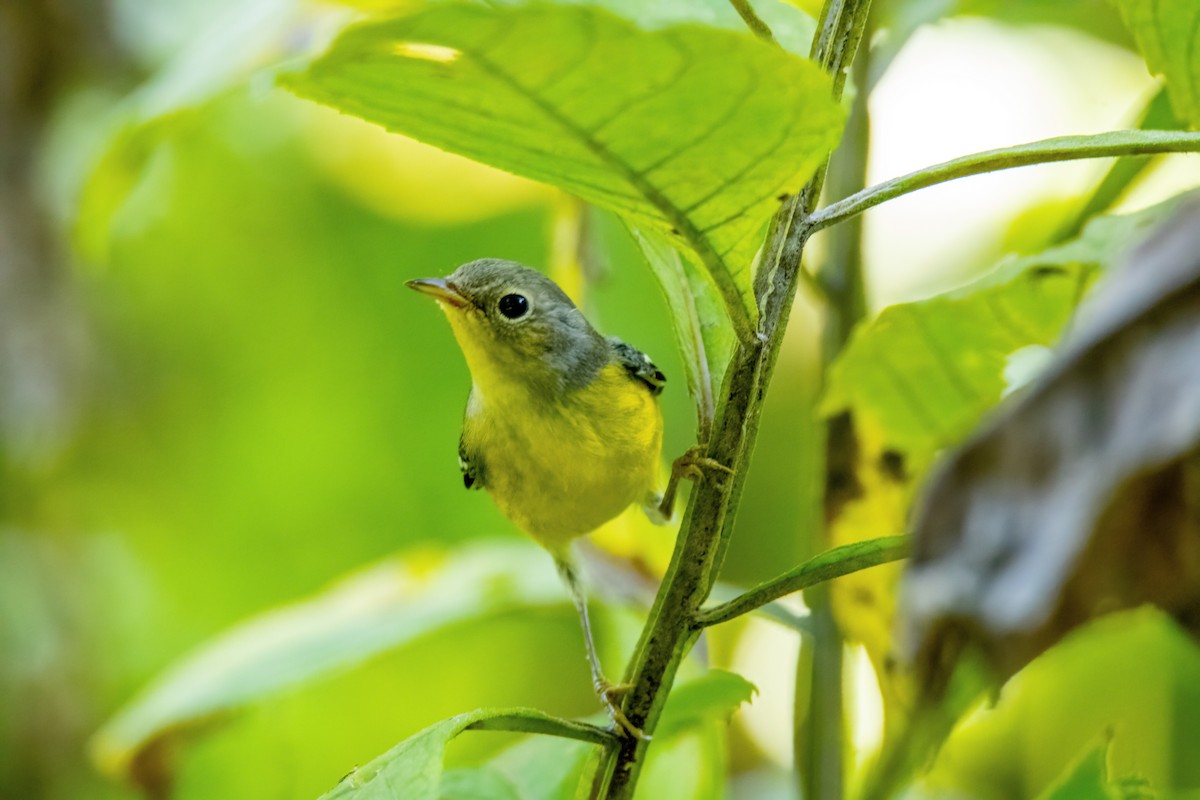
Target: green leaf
790,25
713,696
1086,779
1165,31
547,768
688,131
385,606
477,783
701,326
412,770
922,374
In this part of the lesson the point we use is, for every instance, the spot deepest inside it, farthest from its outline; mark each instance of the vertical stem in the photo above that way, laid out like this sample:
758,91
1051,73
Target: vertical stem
672,627
819,734
819,738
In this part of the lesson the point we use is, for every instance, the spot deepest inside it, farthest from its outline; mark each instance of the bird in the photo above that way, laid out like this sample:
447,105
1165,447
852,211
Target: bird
562,425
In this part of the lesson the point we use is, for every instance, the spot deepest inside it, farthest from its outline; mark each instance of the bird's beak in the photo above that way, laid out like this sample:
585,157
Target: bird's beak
440,290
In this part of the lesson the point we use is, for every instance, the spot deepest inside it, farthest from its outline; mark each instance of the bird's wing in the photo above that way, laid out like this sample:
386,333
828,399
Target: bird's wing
638,365
472,470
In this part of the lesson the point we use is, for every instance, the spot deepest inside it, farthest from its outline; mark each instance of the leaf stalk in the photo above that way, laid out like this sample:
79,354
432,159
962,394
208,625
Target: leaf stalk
1045,151
531,721
827,566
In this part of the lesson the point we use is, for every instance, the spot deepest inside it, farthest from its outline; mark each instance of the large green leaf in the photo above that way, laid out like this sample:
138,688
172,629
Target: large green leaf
546,767
1166,33
379,609
922,374
412,770
689,131
538,767
792,27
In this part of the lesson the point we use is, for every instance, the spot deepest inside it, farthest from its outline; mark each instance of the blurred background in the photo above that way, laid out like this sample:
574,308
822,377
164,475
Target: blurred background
218,398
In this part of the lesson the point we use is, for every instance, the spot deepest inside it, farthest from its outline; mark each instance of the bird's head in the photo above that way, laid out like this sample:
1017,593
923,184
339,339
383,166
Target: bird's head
516,328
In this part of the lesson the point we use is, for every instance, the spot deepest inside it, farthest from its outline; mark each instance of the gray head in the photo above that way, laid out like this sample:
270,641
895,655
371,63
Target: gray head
514,323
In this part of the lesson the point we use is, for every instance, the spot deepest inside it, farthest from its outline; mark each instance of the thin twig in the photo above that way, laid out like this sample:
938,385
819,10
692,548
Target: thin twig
753,21
831,564
1062,148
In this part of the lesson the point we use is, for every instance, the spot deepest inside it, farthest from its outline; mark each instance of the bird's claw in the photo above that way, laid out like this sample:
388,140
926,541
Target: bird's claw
611,694
693,463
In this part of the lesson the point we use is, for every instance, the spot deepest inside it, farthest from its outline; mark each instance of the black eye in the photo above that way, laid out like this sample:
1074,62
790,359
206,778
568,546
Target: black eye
514,306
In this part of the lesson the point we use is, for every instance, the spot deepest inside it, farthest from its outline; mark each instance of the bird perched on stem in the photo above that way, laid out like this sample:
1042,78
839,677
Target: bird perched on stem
562,425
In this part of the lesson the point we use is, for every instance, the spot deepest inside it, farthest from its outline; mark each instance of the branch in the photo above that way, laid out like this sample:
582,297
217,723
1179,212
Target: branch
533,721
708,522
1062,148
1157,115
831,564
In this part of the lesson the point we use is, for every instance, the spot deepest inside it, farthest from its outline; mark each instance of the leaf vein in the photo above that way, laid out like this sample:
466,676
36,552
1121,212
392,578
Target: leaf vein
696,238
740,100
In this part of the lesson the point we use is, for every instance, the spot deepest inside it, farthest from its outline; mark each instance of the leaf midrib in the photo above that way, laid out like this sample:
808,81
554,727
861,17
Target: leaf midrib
691,234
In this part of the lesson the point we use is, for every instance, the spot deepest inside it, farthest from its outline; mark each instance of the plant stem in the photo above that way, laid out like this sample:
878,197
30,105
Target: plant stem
752,20
831,564
1124,171
818,730
1062,148
671,630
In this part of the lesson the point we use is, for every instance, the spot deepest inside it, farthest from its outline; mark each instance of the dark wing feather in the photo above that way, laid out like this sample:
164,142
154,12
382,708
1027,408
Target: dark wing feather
638,365
472,470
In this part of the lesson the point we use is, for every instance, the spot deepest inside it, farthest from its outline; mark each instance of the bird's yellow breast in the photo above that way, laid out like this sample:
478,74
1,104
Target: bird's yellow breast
562,468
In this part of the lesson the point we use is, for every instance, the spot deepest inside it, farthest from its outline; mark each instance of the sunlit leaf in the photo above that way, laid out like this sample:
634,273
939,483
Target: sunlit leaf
541,768
713,696
924,373
381,608
789,23
1087,779
413,769
1080,498
1165,31
476,783
689,131
547,767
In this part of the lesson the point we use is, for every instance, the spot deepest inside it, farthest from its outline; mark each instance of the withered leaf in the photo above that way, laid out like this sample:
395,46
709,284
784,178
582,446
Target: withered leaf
1083,495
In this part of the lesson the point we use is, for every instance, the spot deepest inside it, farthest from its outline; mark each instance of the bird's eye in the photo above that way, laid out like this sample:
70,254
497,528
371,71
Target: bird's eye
514,306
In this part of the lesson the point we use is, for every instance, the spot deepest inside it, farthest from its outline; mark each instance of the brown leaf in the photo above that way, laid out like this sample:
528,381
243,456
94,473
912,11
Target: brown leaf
1083,496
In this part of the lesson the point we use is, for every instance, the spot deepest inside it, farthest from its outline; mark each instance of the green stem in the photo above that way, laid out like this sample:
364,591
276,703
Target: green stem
818,728
831,564
1062,148
752,20
532,721
704,533
1157,114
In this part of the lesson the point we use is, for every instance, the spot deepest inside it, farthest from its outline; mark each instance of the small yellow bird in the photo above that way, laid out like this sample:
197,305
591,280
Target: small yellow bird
562,424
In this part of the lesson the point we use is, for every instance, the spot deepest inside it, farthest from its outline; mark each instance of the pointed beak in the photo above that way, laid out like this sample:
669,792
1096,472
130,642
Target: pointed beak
440,290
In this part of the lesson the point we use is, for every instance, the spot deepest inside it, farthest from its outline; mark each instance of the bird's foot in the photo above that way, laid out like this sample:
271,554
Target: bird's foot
611,694
693,463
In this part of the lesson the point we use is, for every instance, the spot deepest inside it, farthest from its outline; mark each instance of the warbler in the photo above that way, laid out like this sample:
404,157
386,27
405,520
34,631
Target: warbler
562,426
